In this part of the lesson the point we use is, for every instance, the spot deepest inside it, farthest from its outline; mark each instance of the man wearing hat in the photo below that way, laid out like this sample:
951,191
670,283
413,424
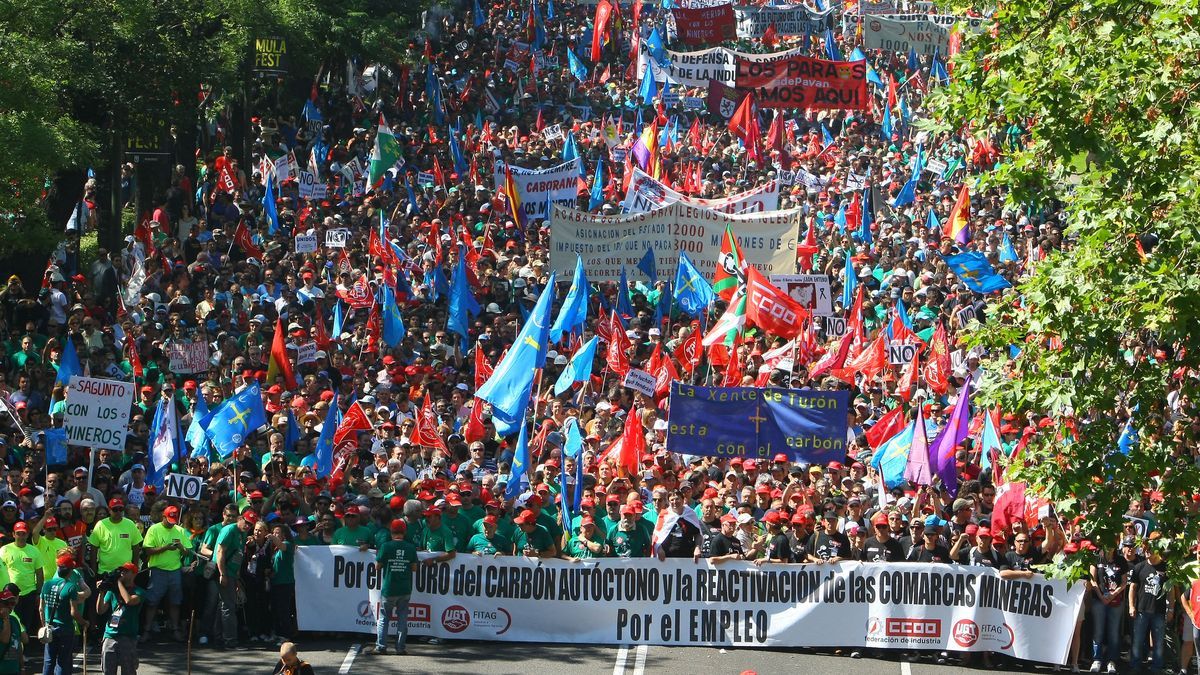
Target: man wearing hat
589,542
231,546
397,559
62,599
827,543
165,545
882,546
532,540
119,648
725,544
24,564
12,658
437,537
116,539
628,539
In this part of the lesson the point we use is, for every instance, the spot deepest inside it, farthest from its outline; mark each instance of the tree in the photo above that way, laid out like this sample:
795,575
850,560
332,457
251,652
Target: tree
1096,106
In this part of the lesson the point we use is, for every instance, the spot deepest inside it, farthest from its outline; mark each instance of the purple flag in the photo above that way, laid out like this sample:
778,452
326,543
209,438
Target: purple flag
917,471
941,455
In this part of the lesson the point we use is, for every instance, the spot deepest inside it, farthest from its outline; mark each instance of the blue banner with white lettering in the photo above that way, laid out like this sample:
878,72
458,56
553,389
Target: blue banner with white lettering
807,426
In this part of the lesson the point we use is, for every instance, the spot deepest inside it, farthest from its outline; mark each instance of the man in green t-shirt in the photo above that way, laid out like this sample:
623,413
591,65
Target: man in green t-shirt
119,648
116,539
165,545
231,547
352,532
532,540
628,539
397,559
62,599
438,538
208,555
489,542
13,636
589,543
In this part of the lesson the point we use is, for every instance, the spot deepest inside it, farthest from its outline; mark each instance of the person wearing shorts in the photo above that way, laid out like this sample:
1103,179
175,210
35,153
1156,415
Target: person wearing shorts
165,545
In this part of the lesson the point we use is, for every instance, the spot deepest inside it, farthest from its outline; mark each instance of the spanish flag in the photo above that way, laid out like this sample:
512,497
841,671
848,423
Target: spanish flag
956,228
279,363
513,197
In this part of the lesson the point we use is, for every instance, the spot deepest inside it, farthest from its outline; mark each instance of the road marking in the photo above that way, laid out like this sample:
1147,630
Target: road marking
622,657
349,660
905,668
639,663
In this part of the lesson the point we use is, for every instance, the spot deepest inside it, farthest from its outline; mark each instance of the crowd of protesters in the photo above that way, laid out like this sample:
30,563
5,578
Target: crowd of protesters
91,547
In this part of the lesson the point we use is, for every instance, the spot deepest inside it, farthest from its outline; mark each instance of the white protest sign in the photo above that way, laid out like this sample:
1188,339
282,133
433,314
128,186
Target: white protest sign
810,290
646,194
309,187
336,238
306,243
936,167
835,326
553,132
966,315
640,381
188,357
183,486
306,353
753,21
97,412
538,188
696,69
677,602
605,243
901,353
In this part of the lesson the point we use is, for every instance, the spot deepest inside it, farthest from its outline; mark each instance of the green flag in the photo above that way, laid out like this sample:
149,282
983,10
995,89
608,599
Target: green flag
384,155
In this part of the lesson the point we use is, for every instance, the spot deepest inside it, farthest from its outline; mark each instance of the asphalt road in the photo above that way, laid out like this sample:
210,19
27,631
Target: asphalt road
341,657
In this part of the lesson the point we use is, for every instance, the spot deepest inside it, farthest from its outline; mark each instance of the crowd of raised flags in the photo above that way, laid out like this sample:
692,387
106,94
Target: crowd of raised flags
457,376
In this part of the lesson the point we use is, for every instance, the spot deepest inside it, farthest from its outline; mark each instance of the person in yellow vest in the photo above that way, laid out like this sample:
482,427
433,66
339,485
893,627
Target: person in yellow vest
25,569
165,544
116,539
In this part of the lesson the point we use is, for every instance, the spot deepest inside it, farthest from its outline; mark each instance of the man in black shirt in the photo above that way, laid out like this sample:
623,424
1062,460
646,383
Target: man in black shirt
1019,562
710,527
1150,601
931,549
683,537
799,535
827,544
914,539
725,545
882,547
778,548
983,554
1109,583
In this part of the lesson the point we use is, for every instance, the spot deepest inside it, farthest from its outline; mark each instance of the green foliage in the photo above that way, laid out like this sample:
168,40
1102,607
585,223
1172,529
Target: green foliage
1107,90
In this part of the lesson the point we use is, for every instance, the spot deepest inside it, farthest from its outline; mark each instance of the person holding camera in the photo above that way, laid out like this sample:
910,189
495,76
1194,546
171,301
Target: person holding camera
123,596
165,544
62,599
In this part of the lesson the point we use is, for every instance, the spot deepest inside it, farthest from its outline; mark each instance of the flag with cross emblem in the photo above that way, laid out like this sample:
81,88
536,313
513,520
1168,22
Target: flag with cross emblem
231,423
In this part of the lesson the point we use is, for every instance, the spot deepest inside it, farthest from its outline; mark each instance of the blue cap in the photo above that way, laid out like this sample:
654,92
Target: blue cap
137,467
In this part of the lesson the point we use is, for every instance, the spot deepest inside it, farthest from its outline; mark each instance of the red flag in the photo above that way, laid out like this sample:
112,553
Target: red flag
888,426
806,251
688,351
833,359
776,139
241,237
937,371
1009,507
744,125
908,380
540,123
473,430
135,359
633,443
770,36
618,347
733,371
771,309
483,369
354,421
279,363
872,359
322,337
142,233
426,431
226,181
854,322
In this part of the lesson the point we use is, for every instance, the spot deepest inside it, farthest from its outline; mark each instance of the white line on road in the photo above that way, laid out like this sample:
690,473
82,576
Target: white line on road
622,657
905,668
349,660
639,663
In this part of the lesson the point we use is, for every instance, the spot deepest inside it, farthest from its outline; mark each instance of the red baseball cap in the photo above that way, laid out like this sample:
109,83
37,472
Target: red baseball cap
171,515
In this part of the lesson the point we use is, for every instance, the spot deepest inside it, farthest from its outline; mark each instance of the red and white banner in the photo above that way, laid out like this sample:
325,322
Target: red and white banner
677,602
805,82
646,194
705,25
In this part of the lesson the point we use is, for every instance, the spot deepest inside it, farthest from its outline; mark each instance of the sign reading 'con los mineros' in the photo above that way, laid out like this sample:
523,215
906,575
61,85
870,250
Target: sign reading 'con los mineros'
97,412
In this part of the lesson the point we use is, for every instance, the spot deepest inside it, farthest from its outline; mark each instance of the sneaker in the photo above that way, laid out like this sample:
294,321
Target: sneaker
1112,667
435,641
1095,667
254,638
401,652
371,650
856,654
1075,668
942,657
265,638
203,640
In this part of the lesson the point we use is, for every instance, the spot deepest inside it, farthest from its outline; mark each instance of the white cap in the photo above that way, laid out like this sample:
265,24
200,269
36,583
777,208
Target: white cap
560,360
660,425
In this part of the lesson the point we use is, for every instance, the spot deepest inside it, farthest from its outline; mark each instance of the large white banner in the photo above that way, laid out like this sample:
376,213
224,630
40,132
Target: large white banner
607,243
695,69
97,412
646,194
539,188
682,603
752,22
926,33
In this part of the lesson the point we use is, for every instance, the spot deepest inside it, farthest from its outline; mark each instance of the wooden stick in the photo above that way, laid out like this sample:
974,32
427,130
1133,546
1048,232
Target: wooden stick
191,627
84,631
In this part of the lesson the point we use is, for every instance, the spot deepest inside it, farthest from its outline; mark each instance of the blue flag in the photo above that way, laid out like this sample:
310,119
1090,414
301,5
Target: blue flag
624,307
573,313
1128,439
577,500
579,368
572,438
292,436
232,422
886,128
693,293
519,480
914,61
549,9
195,434
989,442
480,17
1007,252
826,137
577,68
647,266
850,284
463,306
165,440
338,319
831,49
649,88
655,46
268,202
570,150
438,284
511,384
907,194
864,231
68,364
413,208
937,72
839,218
973,269
891,458
596,199
931,223
56,445
323,451
460,162
393,325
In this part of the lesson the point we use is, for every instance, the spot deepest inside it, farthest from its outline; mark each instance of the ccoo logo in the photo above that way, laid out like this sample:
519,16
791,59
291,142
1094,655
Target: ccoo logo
456,619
